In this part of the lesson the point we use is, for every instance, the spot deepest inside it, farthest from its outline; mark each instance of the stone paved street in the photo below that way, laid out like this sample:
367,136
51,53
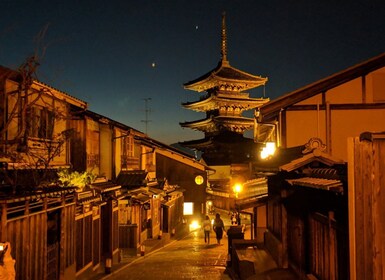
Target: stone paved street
188,258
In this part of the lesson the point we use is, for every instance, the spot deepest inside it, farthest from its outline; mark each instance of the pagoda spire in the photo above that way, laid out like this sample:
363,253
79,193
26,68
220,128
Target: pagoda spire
224,40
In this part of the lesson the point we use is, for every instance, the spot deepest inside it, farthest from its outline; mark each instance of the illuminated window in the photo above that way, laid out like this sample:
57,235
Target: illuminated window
188,208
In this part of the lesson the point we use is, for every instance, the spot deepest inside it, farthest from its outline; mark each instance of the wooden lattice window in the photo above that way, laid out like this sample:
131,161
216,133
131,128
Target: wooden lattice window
41,123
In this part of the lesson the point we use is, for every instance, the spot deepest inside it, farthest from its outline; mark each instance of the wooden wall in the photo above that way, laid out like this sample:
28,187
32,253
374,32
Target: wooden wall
28,235
366,206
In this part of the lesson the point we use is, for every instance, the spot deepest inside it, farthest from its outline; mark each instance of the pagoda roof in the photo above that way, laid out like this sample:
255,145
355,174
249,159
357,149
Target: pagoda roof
236,124
224,148
212,102
225,77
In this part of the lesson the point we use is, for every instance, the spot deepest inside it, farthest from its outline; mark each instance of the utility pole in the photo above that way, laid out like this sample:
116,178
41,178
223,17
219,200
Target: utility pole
147,111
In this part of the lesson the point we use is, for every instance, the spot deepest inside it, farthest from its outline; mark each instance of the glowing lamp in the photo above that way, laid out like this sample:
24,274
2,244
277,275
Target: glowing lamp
268,150
199,180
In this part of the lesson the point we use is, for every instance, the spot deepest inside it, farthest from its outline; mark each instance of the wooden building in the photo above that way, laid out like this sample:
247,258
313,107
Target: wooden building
35,129
332,109
37,216
366,206
103,146
43,129
329,111
307,228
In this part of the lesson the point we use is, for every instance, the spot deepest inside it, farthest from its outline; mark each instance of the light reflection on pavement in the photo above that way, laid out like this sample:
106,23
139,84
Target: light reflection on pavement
189,258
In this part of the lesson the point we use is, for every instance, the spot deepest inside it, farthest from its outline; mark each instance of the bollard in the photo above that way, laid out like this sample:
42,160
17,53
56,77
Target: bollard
142,249
108,266
160,235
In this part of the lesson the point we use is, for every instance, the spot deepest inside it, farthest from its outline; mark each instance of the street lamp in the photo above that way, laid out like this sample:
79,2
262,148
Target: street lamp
268,150
238,187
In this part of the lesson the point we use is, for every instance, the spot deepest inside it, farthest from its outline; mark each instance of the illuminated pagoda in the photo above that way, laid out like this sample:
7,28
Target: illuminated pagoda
224,102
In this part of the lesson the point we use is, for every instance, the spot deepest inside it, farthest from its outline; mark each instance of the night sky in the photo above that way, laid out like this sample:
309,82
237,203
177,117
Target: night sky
115,54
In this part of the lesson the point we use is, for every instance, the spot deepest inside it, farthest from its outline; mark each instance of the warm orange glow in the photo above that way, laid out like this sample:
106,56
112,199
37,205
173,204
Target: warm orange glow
268,150
237,188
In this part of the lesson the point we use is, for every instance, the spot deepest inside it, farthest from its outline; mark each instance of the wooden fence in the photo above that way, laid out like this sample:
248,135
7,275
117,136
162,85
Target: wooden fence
41,248
367,206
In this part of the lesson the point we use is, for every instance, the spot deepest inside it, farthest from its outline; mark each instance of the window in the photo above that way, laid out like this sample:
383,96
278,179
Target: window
127,151
41,123
188,208
128,146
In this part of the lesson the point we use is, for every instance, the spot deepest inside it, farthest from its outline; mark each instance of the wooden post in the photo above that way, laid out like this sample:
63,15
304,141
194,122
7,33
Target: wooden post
285,257
332,247
3,231
351,210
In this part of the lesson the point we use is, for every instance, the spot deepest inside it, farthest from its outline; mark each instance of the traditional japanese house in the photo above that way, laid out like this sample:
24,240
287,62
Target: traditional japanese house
331,110
139,211
110,194
172,208
35,129
307,215
184,170
103,146
37,217
159,163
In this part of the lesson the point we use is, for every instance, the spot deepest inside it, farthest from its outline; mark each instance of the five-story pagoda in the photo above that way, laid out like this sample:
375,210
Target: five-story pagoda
224,102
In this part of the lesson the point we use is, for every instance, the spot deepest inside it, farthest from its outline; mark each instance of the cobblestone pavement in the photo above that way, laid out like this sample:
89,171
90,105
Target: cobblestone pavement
188,258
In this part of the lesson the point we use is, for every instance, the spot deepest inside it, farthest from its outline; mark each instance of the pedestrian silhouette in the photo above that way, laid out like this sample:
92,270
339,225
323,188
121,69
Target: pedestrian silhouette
207,229
219,227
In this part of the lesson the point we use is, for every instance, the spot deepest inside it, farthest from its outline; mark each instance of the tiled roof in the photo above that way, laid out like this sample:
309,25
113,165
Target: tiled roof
131,178
21,194
225,72
105,186
318,183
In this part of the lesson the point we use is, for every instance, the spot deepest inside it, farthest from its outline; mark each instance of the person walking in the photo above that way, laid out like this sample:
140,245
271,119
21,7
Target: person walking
207,229
219,227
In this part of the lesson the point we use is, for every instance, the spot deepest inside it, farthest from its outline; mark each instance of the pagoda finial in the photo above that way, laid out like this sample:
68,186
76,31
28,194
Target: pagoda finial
224,38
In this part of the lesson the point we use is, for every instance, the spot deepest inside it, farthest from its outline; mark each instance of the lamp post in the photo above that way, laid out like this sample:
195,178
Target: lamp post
237,189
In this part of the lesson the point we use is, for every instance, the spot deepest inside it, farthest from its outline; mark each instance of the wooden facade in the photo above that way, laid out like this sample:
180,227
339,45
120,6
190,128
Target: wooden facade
87,232
366,206
41,230
332,109
307,217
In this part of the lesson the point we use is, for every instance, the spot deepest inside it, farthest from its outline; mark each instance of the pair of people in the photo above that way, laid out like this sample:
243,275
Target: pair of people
218,227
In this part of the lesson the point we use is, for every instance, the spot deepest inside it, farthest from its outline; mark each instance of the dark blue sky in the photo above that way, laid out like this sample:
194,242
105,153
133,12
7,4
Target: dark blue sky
102,51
